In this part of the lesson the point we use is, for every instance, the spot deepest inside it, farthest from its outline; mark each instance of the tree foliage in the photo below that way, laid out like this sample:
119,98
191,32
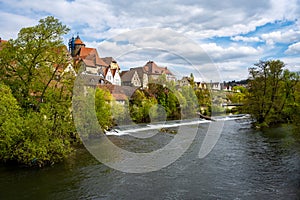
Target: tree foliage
272,89
32,66
31,62
103,109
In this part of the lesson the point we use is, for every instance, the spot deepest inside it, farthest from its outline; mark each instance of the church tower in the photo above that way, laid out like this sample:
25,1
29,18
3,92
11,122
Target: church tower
74,45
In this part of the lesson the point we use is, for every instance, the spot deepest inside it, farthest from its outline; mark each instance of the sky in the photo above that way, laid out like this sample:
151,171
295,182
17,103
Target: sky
215,40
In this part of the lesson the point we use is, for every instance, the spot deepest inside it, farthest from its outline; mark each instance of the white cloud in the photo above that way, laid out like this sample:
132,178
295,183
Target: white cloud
199,19
223,53
246,39
293,49
12,23
292,63
282,9
284,36
234,70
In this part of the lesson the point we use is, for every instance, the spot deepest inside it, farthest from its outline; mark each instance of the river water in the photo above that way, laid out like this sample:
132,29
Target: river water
244,164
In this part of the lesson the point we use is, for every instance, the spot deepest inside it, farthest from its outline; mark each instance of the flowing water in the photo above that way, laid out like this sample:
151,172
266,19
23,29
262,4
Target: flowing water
244,164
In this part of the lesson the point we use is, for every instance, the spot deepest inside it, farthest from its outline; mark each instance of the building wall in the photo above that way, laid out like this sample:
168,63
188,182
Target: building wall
145,81
116,79
91,70
109,76
135,80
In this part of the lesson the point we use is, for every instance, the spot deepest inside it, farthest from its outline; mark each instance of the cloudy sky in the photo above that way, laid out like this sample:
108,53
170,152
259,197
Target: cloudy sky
210,38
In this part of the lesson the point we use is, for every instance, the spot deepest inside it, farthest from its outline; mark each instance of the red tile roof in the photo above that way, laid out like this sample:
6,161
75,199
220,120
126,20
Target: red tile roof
85,51
93,55
89,63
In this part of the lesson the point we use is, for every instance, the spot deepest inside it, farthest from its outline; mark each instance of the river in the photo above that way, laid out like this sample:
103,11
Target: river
244,164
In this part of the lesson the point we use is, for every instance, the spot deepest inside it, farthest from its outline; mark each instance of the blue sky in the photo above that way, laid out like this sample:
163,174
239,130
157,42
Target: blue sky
233,34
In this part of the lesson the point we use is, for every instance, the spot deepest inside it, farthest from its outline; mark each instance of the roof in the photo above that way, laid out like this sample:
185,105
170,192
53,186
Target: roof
116,89
127,76
152,68
93,55
89,79
100,62
89,63
111,62
85,51
108,60
78,40
140,71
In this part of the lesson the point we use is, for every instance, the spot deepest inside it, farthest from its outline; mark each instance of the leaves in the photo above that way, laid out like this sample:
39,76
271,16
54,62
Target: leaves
270,99
36,127
103,108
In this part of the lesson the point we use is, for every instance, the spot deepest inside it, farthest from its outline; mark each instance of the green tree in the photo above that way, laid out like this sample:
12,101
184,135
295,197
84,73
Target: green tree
120,113
204,100
174,110
141,107
296,111
103,109
10,122
191,107
270,92
32,66
29,138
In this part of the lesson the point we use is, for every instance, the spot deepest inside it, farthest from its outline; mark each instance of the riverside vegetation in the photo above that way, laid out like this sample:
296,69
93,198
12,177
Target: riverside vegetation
36,124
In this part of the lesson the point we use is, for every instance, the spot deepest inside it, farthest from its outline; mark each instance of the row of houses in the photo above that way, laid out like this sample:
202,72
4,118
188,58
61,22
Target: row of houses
108,70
